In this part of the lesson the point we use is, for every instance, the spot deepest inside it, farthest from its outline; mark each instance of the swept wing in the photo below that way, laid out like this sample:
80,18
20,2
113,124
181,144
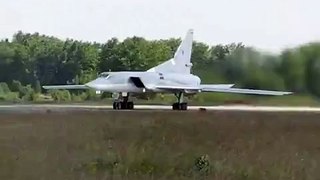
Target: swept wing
66,87
246,91
224,88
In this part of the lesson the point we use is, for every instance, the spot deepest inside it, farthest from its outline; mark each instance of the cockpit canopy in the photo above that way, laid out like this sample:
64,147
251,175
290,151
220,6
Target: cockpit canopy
104,75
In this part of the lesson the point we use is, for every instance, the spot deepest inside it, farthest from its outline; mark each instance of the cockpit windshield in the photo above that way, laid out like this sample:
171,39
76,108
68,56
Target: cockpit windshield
104,75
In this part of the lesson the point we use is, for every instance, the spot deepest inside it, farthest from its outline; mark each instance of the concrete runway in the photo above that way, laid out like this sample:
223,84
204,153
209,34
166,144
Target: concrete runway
74,107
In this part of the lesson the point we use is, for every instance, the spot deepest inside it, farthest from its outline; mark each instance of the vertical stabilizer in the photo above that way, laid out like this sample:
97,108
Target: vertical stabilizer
181,62
183,54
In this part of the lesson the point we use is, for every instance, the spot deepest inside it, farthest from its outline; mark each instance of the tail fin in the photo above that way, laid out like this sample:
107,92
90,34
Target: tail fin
180,63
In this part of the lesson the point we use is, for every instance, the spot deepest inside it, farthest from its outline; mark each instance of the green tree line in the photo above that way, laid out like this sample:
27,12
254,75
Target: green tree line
28,61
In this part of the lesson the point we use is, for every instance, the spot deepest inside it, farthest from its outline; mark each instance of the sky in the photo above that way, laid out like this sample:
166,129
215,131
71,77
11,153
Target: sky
270,25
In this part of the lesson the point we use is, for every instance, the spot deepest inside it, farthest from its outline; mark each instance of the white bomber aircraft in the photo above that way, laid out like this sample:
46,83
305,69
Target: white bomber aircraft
172,76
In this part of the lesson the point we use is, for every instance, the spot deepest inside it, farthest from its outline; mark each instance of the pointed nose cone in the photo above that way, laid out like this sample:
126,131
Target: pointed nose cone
90,84
96,84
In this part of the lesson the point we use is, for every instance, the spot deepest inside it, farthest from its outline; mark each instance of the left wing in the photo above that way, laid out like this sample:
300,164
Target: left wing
66,87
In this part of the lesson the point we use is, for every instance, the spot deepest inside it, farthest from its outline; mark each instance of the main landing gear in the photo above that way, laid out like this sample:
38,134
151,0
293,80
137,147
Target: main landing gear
122,102
180,105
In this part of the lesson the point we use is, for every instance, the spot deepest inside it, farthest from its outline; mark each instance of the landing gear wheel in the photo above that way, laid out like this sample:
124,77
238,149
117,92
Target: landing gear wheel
122,102
183,106
175,106
130,105
116,105
180,106
123,105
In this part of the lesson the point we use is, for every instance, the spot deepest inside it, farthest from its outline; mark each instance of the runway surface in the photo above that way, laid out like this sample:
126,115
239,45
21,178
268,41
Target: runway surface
75,107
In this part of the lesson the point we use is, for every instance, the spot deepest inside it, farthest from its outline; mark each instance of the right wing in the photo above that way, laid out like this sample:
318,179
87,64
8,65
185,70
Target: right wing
66,87
194,88
224,88
177,87
245,91
220,86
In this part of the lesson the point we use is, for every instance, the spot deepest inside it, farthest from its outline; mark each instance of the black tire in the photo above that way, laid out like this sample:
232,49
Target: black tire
180,106
175,106
183,106
123,105
130,105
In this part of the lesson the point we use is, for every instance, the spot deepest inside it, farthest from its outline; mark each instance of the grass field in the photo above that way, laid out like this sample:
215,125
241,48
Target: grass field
160,145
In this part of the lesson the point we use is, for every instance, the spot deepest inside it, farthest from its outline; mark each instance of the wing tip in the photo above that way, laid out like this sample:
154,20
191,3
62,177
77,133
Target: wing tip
46,87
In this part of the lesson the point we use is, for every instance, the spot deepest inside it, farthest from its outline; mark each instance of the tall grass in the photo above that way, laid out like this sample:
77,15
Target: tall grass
159,145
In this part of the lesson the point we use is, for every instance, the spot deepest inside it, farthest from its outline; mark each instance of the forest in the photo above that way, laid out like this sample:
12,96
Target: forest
28,61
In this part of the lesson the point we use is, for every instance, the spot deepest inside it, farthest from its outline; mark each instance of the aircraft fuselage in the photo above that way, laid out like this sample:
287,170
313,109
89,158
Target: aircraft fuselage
138,82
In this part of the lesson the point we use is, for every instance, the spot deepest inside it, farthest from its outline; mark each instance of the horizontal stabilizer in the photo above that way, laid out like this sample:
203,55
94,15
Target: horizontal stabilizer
66,87
246,91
